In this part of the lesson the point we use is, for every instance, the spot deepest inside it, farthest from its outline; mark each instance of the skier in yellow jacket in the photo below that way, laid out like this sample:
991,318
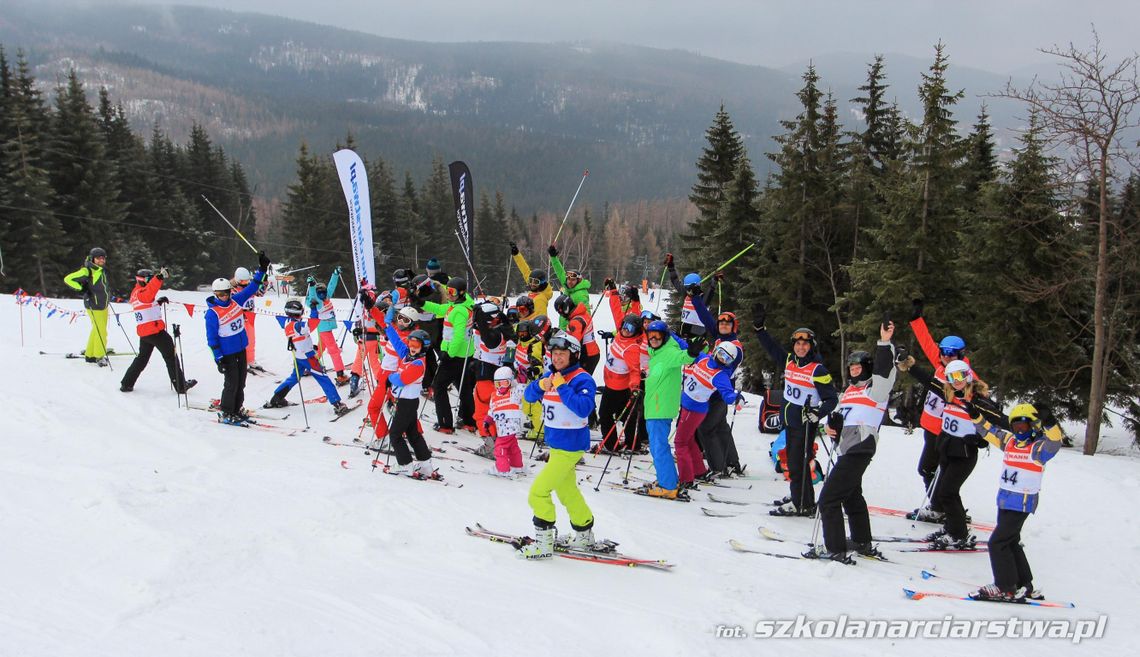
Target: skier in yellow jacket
91,280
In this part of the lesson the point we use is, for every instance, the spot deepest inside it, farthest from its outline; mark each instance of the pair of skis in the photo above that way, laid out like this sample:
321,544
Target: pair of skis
604,552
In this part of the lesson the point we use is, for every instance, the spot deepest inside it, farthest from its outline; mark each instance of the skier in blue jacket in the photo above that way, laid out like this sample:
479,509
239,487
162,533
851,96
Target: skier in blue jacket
225,335
319,299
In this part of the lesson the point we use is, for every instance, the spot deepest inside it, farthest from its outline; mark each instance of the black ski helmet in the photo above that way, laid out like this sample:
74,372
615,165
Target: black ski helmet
525,329
400,277
525,302
631,323
458,283
294,309
322,290
859,358
541,324
422,337
564,305
97,252
627,291
143,276
537,279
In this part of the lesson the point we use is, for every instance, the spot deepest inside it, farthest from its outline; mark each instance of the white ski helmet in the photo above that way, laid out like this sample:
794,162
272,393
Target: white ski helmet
410,314
504,374
726,353
959,372
222,285
241,274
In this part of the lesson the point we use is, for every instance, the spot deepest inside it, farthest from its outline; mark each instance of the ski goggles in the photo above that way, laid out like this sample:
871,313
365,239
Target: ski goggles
573,273
959,376
946,351
629,327
655,335
559,342
1021,425
802,336
452,292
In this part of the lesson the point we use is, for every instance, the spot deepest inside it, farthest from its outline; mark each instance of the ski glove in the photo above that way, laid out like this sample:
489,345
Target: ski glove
915,309
310,281
811,415
553,251
694,290
514,248
605,335
221,367
162,301
313,304
759,314
262,261
668,260
163,273
357,332
696,345
609,284
366,299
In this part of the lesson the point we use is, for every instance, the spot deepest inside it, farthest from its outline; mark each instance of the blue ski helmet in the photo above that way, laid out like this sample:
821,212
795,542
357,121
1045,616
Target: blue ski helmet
657,326
952,345
693,279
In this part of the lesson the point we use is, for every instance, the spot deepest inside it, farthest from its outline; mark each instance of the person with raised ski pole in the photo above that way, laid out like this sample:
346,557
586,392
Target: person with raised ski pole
456,347
1026,447
538,288
623,300
406,382
368,333
300,341
622,375
567,395
320,300
91,280
854,430
939,354
715,433
225,335
668,354
573,285
804,377
151,329
688,287
240,280
580,324
958,445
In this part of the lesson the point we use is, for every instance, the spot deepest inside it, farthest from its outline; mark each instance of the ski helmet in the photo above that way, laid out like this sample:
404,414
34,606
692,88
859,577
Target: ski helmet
432,265
729,317
504,374
959,372
541,324
657,326
97,252
692,279
457,283
492,312
952,345
400,277
421,336
408,314
564,305
804,334
631,324
294,309
726,353
222,285
1024,421
524,330
525,302
537,279
648,316
573,273
242,275
863,359
564,341
143,276
627,292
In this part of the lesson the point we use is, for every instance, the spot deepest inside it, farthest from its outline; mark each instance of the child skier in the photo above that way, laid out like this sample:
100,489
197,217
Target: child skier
301,344
320,300
406,383
1026,448
151,329
226,337
504,422
567,395
706,376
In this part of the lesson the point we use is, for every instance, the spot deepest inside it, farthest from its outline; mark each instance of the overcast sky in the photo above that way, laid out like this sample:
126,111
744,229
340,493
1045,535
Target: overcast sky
998,35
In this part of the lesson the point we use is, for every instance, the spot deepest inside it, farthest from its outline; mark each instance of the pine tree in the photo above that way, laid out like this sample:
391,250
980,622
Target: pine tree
981,165
438,212
875,138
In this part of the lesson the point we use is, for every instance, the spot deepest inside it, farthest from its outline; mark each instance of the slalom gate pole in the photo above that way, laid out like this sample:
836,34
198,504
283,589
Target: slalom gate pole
729,261
660,289
507,286
229,224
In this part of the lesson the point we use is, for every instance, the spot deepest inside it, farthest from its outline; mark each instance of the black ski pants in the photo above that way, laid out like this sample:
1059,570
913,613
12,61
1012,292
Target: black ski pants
233,390
928,464
955,469
798,449
404,429
1007,557
165,345
615,406
716,437
449,373
843,491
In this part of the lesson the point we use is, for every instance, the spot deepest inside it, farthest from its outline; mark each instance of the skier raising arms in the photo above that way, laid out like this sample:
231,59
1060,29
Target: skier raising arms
152,332
854,428
573,285
538,288
320,299
691,286
455,349
714,433
804,377
1026,448
300,342
567,395
406,383
225,335
240,280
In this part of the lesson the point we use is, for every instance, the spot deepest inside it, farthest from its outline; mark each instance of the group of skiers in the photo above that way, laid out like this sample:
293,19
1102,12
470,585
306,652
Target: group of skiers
516,376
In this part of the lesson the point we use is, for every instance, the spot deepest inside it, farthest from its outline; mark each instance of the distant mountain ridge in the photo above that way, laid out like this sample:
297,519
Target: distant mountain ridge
526,117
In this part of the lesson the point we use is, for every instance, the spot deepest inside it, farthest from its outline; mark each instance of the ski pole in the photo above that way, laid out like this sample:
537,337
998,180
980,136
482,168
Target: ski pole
351,312
507,286
807,462
624,422
300,391
633,448
719,297
624,411
229,224
120,323
729,261
165,321
294,271
467,258
660,289
567,215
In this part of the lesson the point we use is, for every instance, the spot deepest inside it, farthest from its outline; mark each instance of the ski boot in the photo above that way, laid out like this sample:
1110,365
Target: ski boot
353,386
276,401
821,553
444,430
231,419
582,540
425,470
994,593
787,499
737,469
926,514
341,379
543,545
340,408
867,550
518,472
947,542
656,490
103,362
1029,592
190,383
791,510
494,472
125,388
708,477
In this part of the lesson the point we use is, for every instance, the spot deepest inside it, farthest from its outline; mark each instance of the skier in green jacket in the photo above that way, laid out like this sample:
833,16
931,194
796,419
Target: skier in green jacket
456,347
668,354
573,284
91,280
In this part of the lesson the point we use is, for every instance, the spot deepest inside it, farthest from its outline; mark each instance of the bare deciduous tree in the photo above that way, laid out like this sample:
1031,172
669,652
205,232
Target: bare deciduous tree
1087,115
